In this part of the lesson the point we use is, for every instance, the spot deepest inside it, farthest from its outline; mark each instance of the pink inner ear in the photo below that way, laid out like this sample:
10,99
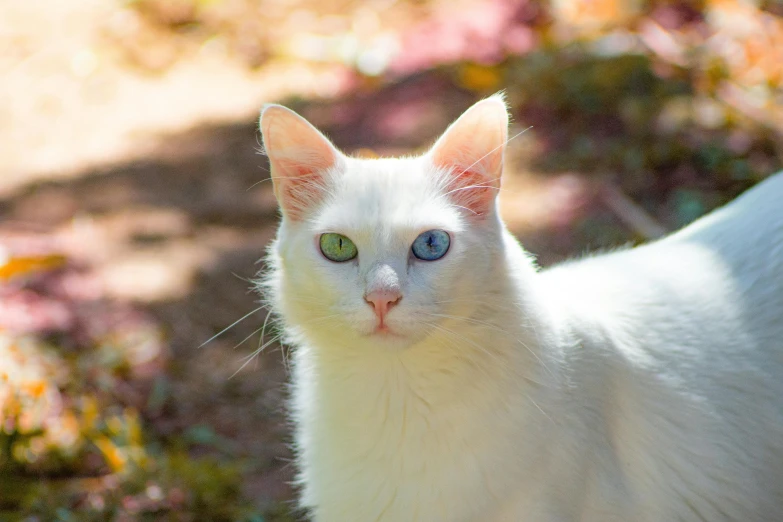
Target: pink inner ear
471,190
472,150
474,169
299,156
299,188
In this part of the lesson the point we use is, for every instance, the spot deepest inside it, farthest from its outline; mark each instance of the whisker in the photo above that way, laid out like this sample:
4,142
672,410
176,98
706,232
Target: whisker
468,300
463,338
539,408
248,359
457,338
257,351
466,208
286,364
263,327
261,348
470,187
443,343
515,136
229,327
497,329
240,343
460,338
304,299
257,183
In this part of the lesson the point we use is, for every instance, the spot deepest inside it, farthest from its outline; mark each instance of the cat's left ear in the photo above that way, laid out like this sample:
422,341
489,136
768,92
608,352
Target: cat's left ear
471,151
300,158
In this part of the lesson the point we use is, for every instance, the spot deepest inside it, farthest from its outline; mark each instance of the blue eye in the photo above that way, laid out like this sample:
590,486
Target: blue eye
431,245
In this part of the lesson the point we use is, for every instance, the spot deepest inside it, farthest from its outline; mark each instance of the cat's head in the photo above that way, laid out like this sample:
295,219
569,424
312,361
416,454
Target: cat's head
383,251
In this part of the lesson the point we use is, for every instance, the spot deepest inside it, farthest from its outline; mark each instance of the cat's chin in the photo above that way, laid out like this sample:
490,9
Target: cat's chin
387,338
384,333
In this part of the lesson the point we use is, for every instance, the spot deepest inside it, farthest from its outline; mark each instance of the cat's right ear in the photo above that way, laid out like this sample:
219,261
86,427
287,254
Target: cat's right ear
471,152
299,157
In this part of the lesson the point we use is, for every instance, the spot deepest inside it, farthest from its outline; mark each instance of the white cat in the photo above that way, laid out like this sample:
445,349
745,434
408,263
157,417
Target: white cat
439,376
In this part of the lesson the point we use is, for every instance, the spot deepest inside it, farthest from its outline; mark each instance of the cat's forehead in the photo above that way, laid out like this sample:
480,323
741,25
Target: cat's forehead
385,195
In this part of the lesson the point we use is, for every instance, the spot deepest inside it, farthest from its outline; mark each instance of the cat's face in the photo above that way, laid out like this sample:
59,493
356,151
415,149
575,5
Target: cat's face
383,251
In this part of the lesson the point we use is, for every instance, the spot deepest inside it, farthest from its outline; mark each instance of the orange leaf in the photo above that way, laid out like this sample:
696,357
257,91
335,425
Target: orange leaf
20,265
480,78
114,457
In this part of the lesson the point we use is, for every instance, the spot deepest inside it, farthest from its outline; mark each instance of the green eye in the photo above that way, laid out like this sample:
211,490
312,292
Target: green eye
337,247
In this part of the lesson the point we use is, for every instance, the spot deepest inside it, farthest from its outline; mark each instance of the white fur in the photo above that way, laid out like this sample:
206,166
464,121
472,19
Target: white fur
644,385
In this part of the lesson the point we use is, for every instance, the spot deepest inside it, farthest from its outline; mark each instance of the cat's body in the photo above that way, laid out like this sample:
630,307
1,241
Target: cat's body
643,385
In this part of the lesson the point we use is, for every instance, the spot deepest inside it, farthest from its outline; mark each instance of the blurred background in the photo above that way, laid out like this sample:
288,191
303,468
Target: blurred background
133,207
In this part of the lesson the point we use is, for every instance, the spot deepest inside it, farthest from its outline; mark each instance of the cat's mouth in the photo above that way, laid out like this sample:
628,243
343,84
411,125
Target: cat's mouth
383,330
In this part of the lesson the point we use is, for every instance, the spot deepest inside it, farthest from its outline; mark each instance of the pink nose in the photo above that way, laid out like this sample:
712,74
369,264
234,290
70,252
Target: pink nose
382,301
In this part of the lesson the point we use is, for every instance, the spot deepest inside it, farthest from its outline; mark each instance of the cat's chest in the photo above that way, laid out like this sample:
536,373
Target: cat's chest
389,456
